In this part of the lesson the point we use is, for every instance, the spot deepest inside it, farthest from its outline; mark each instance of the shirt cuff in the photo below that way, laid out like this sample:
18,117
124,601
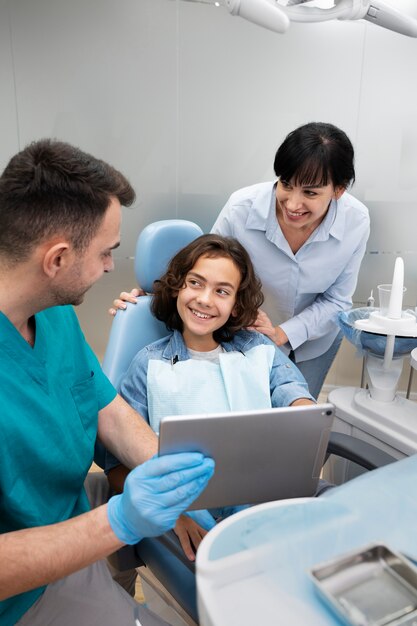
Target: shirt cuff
294,391
295,331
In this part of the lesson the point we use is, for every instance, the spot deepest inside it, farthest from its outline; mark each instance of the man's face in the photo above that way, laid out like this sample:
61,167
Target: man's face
87,267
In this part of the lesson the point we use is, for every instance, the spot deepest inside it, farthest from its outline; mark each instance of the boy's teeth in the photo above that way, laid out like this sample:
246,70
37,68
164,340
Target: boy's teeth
198,314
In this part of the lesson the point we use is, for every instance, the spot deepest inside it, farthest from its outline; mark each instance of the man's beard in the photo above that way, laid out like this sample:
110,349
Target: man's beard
74,292
69,296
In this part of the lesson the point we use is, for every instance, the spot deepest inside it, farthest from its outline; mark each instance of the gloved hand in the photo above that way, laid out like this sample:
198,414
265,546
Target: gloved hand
156,493
203,518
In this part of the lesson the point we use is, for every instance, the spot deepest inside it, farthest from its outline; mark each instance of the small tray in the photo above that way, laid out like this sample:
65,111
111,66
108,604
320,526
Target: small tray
370,587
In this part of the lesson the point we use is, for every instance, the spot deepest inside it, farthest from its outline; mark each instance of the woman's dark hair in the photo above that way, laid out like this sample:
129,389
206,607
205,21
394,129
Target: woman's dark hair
51,188
316,154
248,298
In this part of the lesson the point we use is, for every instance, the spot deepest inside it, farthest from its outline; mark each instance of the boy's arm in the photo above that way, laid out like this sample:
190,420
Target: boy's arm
302,402
288,386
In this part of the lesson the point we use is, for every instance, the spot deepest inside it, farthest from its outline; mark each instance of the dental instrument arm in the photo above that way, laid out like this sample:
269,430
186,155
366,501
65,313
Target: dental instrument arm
381,14
260,12
268,15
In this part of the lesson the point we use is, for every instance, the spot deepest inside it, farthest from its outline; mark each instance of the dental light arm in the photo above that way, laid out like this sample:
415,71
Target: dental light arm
388,17
260,12
266,13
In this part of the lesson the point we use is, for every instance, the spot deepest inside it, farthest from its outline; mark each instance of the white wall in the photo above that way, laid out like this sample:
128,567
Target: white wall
192,103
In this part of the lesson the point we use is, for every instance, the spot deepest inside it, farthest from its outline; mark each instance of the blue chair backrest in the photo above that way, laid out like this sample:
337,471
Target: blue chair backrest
135,327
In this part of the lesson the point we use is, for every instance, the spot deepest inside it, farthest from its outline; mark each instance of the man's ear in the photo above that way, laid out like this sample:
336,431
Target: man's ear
55,258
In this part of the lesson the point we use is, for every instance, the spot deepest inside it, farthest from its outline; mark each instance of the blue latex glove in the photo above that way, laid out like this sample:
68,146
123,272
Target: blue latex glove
156,493
202,518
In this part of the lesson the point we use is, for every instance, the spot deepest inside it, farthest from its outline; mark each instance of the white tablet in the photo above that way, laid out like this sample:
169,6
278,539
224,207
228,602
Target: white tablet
260,455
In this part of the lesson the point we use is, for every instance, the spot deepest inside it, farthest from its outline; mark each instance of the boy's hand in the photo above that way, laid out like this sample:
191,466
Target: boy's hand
190,535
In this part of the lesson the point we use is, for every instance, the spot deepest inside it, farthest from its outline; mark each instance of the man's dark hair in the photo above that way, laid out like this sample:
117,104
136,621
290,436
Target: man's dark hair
248,298
316,154
52,187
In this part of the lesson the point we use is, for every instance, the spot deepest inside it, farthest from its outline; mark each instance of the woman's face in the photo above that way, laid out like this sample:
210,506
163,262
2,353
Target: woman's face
303,207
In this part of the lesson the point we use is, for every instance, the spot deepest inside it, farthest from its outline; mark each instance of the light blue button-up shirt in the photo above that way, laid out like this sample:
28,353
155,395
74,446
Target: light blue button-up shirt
304,291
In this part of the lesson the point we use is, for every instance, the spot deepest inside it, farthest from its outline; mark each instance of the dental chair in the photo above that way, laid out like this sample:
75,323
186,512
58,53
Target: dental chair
134,328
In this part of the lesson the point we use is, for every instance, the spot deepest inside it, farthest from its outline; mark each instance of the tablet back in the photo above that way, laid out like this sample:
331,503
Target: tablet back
260,455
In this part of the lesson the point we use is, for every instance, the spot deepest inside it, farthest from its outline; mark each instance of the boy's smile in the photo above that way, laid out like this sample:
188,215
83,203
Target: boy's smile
207,299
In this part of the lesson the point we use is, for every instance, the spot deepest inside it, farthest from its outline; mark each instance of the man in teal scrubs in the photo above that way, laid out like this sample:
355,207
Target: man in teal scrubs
60,211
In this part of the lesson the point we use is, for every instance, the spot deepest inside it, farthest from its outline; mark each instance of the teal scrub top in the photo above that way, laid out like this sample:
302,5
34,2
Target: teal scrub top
50,396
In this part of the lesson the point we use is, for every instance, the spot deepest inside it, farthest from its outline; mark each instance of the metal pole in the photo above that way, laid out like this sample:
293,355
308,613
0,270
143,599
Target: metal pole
410,381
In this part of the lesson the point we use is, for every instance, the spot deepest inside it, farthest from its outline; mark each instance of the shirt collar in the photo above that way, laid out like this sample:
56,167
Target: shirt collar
333,223
176,348
262,216
259,215
240,342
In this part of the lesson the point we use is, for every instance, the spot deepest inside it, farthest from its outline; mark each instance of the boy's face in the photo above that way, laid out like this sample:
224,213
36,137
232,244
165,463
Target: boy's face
207,300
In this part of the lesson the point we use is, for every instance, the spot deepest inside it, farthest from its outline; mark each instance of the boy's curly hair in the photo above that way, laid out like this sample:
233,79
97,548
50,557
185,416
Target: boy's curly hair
249,296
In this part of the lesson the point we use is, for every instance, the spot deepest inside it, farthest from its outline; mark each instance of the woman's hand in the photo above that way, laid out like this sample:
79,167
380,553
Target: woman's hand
264,325
125,296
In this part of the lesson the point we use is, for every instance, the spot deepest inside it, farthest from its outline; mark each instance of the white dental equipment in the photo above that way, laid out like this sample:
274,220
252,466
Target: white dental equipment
276,16
387,335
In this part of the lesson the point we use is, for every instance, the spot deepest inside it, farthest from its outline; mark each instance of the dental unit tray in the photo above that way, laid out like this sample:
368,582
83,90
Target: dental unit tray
374,342
370,587
405,326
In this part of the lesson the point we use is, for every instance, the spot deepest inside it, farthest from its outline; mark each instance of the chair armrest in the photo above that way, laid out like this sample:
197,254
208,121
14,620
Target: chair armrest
172,543
361,452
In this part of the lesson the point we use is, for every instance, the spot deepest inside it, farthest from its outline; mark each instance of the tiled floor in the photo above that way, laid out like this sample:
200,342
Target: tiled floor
158,601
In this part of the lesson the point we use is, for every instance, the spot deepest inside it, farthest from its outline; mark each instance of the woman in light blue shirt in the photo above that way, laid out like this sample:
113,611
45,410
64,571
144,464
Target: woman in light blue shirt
306,237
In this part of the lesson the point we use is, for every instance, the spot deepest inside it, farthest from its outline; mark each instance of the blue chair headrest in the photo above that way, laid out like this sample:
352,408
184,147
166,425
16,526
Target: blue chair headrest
157,244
